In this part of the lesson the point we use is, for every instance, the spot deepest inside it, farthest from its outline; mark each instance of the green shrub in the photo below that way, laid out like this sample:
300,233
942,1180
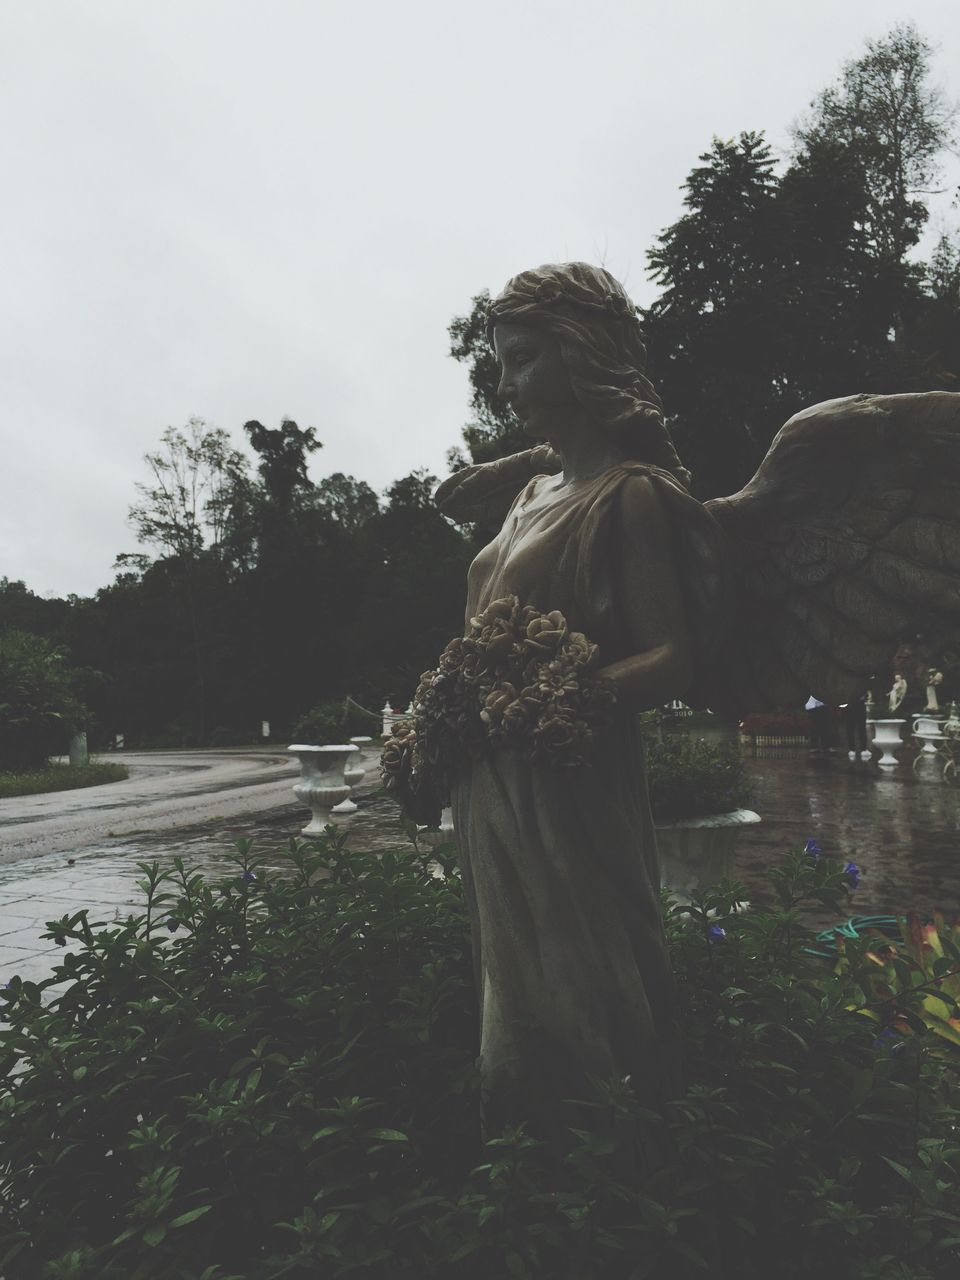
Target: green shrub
275,1076
61,777
689,777
335,722
38,707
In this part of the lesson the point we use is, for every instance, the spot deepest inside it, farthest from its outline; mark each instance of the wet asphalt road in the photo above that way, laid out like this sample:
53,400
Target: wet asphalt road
166,790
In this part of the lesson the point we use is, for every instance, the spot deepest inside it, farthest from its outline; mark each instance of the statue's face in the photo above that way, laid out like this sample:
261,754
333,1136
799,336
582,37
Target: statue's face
534,378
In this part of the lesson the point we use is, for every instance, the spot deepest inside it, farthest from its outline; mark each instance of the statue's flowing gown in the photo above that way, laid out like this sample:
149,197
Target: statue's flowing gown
560,864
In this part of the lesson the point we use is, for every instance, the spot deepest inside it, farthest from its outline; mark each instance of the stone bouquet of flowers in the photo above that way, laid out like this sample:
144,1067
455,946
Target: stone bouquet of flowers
520,680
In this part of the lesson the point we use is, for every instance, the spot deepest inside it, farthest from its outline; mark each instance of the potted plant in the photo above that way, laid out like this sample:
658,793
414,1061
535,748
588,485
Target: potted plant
700,800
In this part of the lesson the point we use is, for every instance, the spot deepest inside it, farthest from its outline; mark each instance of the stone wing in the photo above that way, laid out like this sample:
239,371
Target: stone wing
846,543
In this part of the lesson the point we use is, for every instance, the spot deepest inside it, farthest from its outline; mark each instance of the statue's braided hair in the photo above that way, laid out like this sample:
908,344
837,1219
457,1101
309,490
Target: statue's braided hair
601,341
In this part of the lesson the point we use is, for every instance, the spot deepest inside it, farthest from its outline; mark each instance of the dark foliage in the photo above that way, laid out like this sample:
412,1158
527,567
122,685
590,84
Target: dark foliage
61,777
267,594
689,777
274,1076
39,706
781,287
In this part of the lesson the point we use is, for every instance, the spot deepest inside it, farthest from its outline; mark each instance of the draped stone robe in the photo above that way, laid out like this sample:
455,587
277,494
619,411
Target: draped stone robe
560,864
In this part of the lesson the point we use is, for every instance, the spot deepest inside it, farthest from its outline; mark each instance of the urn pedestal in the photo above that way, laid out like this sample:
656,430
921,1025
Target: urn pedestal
928,727
886,736
695,852
322,784
353,775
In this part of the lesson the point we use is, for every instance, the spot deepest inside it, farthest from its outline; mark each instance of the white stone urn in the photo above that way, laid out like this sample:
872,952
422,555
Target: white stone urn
353,775
695,852
322,784
886,736
928,727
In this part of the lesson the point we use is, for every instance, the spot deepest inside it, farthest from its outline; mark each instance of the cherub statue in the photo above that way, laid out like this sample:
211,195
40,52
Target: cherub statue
847,537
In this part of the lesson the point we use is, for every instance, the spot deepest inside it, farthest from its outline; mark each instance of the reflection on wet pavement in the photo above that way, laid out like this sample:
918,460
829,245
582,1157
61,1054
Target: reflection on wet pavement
902,828
104,878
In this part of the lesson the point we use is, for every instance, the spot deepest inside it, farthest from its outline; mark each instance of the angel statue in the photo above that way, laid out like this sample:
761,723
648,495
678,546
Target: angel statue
845,541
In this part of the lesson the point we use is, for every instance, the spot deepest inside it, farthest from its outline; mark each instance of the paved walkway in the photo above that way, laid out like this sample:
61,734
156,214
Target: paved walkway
166,790
192,804
902,828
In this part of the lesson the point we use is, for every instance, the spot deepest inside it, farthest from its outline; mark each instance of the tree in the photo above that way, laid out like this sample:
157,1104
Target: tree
282,461
717,332
350,504
197,511
192,500
781,290
895,126
417,599
39,706
496,431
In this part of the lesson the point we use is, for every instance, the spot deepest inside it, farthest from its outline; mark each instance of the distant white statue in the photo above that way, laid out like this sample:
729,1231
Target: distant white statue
898,692
934,677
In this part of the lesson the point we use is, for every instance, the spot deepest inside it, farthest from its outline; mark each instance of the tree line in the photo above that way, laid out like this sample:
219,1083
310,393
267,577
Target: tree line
259,592
784,284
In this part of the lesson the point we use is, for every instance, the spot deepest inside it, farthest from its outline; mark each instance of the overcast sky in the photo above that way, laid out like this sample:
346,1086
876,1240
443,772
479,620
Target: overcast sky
265,208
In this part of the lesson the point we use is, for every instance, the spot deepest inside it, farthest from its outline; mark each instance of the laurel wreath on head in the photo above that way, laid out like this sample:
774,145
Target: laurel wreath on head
520,680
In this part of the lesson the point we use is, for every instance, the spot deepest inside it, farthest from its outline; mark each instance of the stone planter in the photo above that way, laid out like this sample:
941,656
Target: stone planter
695,852
353,775
886,736
928,727
322,784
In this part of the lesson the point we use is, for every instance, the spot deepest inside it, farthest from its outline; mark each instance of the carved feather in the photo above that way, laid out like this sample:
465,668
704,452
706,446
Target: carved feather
847,544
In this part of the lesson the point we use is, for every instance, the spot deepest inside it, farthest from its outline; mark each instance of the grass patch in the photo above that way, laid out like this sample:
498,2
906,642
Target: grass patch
60,777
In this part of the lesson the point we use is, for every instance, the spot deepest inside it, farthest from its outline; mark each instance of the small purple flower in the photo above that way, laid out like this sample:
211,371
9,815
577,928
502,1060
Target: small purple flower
173,924
7,986
887,1039
59,939
717,933
812,848
249,877
852,873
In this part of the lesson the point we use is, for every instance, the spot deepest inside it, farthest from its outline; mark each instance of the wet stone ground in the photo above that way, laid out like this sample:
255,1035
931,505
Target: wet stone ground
104,879
901,827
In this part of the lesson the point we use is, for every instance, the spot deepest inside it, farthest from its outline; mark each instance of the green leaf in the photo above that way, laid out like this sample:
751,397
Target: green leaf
862,1084
389,1135
155,1235
191,1216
